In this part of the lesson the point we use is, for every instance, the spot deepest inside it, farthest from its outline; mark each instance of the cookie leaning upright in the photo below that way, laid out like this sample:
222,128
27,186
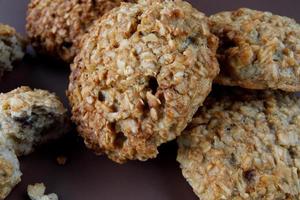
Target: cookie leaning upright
10,174
12,48
258,50
55,27
141,74
29,118
244,144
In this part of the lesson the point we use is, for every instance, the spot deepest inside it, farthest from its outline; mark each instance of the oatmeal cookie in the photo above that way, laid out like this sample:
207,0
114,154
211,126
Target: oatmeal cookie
37,192
30,117
258,50
12,48
10,174
55,27
244,145
140,76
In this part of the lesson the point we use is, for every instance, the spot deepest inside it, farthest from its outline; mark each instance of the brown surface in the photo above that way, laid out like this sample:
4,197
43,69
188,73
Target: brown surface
86,176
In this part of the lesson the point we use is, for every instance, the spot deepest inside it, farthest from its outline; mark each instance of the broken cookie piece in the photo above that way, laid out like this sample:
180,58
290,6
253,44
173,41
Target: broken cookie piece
10,174
37,192
30,117
12,48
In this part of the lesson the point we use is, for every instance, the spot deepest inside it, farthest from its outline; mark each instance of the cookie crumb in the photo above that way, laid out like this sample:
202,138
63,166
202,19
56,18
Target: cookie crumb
37,192
61,160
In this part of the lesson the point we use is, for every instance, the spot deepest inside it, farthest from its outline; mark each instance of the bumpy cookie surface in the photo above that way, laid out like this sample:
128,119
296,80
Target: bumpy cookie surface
30,117
10,174
11,48
244,145
258,50
56,27
140,76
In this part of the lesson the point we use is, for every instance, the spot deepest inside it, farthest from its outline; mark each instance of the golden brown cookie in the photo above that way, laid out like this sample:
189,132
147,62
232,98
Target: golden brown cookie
56,27
141,74
258,50
12,48
244,144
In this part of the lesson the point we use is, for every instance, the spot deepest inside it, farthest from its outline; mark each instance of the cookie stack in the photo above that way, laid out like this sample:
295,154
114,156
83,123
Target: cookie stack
142,70
245,144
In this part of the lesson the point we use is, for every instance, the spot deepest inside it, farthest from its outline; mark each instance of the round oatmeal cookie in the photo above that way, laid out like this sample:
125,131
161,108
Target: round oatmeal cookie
10,174
258,50
55,27
244,145
141,74
29,118
12,48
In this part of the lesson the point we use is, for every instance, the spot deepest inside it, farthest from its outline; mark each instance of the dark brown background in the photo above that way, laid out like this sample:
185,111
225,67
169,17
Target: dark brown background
86,176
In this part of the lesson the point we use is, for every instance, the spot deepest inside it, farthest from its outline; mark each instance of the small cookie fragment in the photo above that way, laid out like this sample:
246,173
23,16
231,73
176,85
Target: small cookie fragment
12,48
142,72
30,117
10,174
244,145
37,192
258,50
55,27
61,160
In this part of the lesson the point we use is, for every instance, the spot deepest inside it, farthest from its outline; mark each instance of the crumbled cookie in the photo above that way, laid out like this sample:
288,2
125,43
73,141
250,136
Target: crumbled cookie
12,48
37,192
244,145
55,27
30,117
141,74
258,50
10,174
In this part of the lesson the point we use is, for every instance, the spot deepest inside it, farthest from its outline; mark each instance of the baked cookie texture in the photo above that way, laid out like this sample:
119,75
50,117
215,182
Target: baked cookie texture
30,117
244,145
140,76
10,174
12,48
37,192
258,50
55,27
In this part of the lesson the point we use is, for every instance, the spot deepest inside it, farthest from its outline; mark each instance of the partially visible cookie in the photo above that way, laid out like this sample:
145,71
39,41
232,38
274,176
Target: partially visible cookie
141,74
10,174
56,27
258,50
30,117
244,145
37,192
12,48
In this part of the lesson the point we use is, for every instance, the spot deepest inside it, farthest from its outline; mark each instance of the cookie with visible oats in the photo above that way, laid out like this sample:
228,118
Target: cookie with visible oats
141,74
258,50
12,48
10,174
29,118
244,145
55,27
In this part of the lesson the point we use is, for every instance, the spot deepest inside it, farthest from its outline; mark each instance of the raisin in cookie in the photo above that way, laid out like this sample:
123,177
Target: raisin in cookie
258,50
30,117
10,174
244,145
140,76
56,27
12,48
